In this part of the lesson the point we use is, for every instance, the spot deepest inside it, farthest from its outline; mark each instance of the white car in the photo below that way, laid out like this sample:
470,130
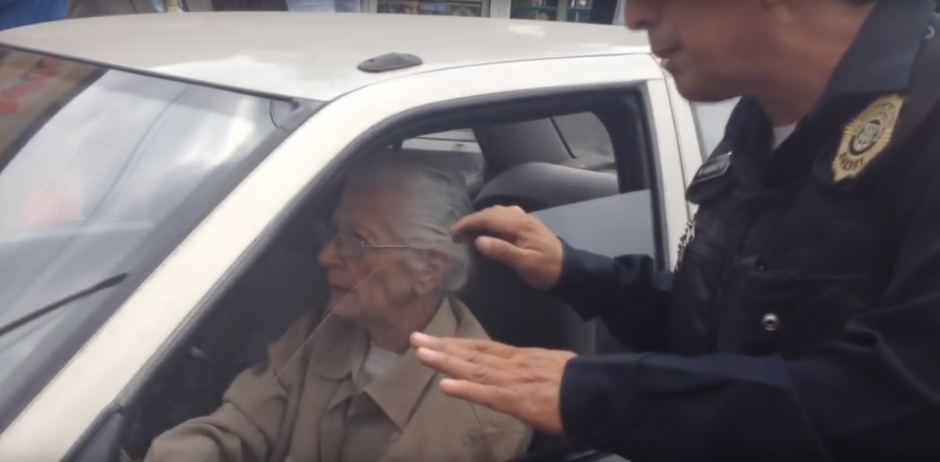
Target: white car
157,173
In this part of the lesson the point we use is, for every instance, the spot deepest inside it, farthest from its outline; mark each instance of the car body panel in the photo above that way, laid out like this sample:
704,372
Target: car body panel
669,158
688,138
310,55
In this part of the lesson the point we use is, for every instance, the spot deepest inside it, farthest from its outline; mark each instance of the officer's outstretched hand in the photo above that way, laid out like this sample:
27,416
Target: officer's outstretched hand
522,382
513,237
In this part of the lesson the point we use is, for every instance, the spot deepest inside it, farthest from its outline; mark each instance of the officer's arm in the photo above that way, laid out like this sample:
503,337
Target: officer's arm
627,293
872,393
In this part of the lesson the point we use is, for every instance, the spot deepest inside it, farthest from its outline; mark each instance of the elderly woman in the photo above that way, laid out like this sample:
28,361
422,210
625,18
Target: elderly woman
344,386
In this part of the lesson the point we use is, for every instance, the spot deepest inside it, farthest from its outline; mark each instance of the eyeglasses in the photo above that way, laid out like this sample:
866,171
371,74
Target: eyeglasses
349,246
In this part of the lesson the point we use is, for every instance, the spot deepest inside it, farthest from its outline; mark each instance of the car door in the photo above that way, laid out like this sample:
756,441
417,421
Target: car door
699,129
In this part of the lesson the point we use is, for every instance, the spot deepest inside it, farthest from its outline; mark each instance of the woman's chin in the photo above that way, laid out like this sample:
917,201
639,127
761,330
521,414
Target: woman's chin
341,307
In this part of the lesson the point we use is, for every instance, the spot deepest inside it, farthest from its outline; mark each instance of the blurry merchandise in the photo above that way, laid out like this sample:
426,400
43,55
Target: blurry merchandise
93,8
249,5
325,6
425,7
541,10
579,10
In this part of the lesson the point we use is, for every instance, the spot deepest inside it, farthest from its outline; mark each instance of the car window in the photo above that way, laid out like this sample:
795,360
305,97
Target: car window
611,226
461,145
373,260
711,119
585,135
99,170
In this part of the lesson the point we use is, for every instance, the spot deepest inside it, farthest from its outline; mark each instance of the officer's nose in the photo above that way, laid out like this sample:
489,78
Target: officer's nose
642,14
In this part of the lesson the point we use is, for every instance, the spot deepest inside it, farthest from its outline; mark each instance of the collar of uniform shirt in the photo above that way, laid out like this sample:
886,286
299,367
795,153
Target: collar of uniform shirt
340,352
882,57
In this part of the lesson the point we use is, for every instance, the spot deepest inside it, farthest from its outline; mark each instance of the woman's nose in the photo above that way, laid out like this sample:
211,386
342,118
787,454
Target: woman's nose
328,255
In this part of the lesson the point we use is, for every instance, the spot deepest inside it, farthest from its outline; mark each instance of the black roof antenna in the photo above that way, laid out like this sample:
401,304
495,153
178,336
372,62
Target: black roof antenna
390,62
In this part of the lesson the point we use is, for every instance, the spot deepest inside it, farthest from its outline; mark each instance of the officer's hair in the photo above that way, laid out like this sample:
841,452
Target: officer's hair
437,196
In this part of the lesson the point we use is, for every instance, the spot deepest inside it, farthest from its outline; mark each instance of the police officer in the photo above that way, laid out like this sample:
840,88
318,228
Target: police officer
803,321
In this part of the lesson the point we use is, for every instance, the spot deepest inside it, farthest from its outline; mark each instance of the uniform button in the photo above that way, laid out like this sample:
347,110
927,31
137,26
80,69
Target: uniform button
770,321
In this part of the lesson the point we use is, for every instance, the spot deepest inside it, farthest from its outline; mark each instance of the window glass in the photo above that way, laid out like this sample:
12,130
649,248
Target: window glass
619,11
579,10
452,141
435,7
585,135
611,226
711,119
542,10
97,165
548,10
325,6
460,145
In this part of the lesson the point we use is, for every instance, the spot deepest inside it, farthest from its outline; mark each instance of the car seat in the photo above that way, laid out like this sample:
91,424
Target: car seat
514,313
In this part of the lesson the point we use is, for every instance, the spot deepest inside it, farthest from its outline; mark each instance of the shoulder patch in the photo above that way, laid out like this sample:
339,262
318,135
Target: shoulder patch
714,167
866,136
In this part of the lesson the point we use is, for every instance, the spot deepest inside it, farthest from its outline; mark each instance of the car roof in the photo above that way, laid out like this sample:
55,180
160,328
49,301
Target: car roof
310,55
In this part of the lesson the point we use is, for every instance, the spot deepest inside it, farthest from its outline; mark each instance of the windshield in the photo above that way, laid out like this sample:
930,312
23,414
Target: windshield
103,172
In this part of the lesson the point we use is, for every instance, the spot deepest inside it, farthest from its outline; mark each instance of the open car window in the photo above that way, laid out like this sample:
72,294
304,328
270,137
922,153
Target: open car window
611,226
369,258
457,146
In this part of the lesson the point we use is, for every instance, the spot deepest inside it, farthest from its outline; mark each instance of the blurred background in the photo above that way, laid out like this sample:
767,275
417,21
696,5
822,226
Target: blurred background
15,13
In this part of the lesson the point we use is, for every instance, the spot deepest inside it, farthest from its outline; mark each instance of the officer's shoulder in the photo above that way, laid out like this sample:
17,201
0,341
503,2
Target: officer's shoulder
885,141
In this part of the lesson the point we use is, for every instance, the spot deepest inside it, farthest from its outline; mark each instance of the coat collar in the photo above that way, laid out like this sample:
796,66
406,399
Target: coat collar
339,353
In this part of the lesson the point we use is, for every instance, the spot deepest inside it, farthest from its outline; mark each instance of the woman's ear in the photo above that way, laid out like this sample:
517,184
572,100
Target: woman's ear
434,271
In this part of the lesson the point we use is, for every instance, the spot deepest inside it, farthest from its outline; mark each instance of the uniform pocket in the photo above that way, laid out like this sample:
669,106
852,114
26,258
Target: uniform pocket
788,311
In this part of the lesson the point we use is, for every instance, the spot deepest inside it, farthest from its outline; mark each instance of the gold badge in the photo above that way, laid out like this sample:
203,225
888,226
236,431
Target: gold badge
866,136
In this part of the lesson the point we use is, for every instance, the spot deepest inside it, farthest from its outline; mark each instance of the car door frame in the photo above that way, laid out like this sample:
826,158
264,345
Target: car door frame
690,147
105,371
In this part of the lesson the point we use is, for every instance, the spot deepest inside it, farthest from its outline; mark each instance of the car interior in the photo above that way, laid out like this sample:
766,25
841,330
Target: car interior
540,154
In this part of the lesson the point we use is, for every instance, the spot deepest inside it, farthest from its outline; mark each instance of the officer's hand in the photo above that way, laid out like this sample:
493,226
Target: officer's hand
511,236
522,382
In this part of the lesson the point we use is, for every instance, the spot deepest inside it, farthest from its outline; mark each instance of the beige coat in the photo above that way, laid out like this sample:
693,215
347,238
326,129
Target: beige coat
273,419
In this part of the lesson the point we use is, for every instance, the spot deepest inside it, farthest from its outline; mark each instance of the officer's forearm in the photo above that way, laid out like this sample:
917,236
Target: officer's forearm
626,293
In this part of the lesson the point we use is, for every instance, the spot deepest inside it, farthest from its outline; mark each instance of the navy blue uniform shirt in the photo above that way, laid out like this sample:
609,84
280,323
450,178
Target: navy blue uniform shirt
870,389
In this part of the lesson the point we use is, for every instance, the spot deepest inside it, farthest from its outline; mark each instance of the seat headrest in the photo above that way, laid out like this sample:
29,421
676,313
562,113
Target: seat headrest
512,312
